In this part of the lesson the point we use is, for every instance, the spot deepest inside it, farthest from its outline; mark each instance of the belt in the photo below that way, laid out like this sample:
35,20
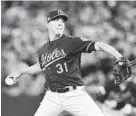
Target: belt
63,90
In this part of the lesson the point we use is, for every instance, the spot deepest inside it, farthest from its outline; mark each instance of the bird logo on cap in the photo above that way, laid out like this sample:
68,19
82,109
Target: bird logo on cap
59,12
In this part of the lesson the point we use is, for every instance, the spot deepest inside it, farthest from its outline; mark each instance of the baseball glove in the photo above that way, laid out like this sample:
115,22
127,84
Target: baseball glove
121,70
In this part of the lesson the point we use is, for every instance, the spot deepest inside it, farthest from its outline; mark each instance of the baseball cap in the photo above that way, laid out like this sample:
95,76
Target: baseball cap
56,13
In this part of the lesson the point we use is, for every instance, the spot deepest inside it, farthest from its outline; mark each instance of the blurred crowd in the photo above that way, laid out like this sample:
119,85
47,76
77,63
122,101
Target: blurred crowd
24,31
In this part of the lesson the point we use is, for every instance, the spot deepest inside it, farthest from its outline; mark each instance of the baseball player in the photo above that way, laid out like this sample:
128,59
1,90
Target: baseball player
59,59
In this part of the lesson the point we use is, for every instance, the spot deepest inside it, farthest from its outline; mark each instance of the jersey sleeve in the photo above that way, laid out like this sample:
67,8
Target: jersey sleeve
80,45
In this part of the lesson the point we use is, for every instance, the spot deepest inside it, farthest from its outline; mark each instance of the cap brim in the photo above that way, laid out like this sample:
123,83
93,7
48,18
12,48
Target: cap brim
65,17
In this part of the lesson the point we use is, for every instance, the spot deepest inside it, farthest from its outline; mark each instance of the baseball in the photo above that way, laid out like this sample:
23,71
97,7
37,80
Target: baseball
9,81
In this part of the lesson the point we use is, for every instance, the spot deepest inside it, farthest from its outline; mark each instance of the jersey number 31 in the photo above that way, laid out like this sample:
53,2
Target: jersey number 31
62,68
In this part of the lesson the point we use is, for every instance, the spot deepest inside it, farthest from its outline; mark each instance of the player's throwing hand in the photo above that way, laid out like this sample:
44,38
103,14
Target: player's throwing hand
12,78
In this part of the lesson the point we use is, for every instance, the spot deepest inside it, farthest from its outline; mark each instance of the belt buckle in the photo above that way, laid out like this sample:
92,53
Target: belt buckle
66,89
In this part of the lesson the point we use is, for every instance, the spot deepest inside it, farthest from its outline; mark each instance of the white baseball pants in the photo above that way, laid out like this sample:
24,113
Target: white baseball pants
78,102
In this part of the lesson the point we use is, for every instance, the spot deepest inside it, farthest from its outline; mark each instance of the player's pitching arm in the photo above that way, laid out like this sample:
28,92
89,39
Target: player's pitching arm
13,77
108,49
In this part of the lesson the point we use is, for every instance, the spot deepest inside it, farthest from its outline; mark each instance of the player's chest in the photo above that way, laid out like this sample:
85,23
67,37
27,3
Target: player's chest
54,52
52,55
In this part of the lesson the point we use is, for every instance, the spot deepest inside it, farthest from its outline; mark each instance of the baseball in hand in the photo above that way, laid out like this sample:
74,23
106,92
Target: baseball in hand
121,63
9,81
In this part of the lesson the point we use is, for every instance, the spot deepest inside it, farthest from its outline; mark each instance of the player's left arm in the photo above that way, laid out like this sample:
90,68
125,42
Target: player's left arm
121,70
101,46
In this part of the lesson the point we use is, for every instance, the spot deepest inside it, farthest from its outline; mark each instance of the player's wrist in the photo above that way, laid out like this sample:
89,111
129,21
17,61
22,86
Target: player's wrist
21,73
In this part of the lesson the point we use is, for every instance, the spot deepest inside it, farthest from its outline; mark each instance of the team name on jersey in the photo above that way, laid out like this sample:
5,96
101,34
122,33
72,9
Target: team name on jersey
49,58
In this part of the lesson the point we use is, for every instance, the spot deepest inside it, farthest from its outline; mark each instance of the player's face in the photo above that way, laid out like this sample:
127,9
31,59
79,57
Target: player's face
57,26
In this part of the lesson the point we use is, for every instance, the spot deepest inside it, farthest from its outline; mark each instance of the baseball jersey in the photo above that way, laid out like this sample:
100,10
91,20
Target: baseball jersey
60,60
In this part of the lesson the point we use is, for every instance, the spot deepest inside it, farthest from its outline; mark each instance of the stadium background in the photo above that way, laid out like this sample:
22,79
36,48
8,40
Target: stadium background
23,32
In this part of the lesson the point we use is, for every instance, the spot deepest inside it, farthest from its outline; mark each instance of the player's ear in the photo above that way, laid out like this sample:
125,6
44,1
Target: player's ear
47,24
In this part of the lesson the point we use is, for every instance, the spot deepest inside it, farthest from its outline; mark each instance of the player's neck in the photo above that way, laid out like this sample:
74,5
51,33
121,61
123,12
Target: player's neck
54,36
